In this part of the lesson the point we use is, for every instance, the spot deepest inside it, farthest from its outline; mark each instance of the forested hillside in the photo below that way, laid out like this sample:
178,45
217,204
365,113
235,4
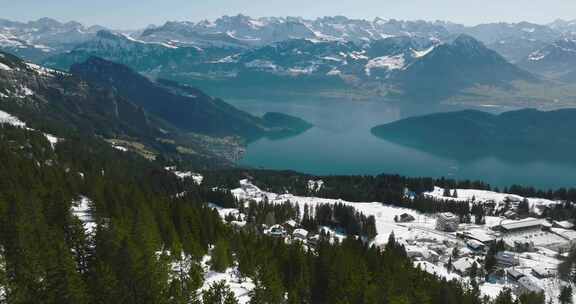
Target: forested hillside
85,223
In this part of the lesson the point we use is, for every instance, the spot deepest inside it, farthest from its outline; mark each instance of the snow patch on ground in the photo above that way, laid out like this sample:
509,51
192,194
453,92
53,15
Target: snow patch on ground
82,209
224,212
537,56
241,287
196,177
386,62
261,64
120,148
483,196
5,67
420,54
6,118
40,70
441,272
53,140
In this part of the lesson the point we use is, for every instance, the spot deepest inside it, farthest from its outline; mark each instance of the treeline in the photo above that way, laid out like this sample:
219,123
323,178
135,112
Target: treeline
311,217
381,188
397,190
339,216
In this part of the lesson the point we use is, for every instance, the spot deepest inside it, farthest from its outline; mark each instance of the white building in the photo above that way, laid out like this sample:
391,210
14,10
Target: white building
463,265
526,285
276,231
447,222
300,235
506,259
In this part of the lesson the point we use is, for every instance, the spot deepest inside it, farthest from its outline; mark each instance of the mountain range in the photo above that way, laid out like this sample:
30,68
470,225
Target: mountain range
382,58
245,32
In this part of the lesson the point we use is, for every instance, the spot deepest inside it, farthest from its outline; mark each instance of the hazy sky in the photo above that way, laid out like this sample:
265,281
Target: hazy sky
138,13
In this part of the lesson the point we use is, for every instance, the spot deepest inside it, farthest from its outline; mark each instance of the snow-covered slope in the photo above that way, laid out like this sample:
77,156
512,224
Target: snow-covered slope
43,37
245,31
554,60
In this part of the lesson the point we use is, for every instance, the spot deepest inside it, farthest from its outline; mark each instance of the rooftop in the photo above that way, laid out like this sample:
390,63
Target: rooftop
301,232
463,264
447,215
564,224
522,224
528,284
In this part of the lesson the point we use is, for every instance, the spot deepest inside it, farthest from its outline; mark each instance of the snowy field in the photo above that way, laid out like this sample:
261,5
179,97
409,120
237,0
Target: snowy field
483,196
241,287
81,209
423,227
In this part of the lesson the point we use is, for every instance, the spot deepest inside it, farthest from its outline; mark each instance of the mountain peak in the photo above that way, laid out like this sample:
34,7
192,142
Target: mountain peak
467,41
45,21
106,34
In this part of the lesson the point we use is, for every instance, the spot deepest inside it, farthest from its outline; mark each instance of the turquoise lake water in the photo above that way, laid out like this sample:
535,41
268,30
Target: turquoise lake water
341,143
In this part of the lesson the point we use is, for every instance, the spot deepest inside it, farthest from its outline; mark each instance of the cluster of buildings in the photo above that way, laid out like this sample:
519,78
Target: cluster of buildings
521,239
290,232
518,235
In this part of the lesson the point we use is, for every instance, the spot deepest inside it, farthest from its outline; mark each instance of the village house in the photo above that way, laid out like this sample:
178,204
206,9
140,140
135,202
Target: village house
506,259
463,265
543,272
404,218
447,222
522,226
300,235
514,275
526,285
276,231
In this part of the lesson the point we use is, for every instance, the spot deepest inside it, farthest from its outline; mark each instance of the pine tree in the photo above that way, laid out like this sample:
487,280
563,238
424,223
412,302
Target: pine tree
221,256
524,207
268,289
565,295
219,293
504,297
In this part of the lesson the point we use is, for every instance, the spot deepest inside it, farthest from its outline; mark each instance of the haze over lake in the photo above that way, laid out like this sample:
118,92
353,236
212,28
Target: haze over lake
341,143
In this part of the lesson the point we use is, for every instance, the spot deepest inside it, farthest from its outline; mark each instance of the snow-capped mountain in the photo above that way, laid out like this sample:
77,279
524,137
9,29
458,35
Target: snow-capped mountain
462,63
564,26
236,31
139,55
363,30
415,64
320,59
394,54
514,41
249,32
43,37
46,37
301,57
554,60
